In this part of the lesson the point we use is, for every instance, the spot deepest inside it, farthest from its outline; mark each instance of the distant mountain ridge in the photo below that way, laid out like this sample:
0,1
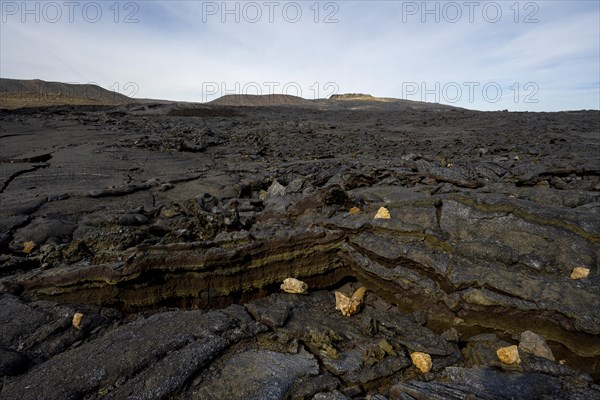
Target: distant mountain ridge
15,93
36,92
349,101
249,100
351,96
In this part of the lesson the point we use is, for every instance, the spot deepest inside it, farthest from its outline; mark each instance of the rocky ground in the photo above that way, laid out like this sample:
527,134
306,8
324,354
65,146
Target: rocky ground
142,249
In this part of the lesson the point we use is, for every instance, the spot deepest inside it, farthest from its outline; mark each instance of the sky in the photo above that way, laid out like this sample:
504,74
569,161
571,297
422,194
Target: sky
484,55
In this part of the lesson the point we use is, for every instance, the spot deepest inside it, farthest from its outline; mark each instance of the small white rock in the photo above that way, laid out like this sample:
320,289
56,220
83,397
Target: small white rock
293,285
509,355
580,273
276,190
77,317
350,305
382,213
422,361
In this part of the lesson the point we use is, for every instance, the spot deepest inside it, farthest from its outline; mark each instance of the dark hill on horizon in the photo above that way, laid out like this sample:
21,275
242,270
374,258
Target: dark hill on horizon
252,100
15,93
360,101
351,101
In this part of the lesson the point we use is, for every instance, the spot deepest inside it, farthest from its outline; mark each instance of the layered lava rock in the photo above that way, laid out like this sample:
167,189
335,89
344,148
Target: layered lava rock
170,242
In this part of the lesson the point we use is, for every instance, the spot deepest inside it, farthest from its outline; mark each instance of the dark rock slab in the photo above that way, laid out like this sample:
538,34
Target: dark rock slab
463,176
271,311
412,335
307,387
148,346
12,363
488,384
335,395
145,211
169,374
39,330
257,375
41,230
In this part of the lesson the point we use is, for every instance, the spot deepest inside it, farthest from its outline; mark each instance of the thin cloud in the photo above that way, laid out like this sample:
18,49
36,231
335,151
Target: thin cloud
176,49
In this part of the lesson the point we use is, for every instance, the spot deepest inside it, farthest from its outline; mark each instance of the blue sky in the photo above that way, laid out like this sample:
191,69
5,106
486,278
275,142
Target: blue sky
486,55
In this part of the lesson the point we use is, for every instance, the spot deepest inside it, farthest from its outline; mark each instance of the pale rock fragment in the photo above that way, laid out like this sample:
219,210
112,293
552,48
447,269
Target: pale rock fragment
342,302
354,211
275,190
293,285
580,273
77,317
382,213
509,355
349,305
422,361
28,247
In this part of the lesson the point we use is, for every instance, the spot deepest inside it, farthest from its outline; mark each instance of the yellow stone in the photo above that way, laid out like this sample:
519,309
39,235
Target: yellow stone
509,355
77,317
293,285
349,305
382,213
354,211
422,361
580,272
359,295
342,302
28,247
